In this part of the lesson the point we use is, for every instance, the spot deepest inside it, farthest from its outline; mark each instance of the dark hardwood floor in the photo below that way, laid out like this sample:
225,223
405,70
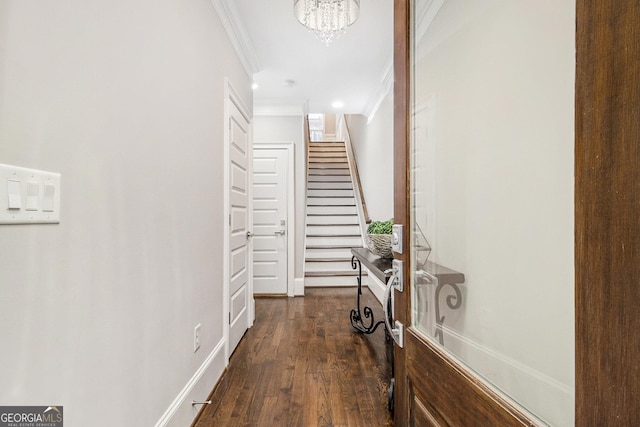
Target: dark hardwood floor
302,364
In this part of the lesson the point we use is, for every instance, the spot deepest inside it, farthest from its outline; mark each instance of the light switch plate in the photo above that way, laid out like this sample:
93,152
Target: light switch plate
38,192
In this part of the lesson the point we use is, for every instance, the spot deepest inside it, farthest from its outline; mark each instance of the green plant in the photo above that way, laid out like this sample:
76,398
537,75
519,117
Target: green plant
380,227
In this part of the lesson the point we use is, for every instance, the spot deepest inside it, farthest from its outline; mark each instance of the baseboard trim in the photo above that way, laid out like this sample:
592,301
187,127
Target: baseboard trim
375,286
298,287
181,413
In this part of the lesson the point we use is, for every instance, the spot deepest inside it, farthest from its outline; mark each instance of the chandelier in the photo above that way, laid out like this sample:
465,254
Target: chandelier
328,19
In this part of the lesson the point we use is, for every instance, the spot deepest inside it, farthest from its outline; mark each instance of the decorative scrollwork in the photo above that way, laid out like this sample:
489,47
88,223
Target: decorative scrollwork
357,320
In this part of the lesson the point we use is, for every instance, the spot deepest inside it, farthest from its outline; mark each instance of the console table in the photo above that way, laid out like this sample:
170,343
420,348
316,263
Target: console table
362,319
376,266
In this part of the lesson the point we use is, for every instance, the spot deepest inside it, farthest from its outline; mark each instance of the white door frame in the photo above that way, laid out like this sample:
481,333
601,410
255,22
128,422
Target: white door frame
232,97
289,146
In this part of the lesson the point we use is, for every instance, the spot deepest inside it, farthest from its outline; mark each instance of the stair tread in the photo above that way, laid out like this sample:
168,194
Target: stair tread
330,247
331,214
332,188
327,205
333,235
329,174
333,225
323,161
327,259
343,191
330,197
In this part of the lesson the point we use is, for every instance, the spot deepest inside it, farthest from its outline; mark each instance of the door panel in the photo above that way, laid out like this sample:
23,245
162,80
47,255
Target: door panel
238,225
270,221
438,386
420,415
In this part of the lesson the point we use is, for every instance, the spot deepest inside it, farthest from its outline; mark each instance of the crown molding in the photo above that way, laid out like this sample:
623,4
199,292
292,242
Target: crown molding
228,15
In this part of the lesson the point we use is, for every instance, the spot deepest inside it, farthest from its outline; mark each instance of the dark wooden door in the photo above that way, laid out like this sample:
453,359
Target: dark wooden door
431,387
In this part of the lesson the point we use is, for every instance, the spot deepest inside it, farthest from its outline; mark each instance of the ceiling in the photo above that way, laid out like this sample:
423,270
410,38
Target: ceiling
355,69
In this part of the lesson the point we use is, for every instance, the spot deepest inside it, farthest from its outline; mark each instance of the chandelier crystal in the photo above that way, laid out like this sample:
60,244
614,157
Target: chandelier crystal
328,19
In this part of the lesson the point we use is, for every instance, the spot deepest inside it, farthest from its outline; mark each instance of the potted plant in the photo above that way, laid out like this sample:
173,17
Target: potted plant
378,238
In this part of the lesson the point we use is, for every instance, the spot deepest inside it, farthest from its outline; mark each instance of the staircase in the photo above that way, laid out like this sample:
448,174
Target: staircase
333,226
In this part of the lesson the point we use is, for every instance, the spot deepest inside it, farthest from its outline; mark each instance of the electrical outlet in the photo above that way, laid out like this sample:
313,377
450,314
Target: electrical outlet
196,338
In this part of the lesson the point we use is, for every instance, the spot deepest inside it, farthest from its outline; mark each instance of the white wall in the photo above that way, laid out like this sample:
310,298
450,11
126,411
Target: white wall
272,129
495,90
373,147
126,100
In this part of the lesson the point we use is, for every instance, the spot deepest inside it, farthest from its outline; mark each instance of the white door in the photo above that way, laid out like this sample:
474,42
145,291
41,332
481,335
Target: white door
239,289
270,221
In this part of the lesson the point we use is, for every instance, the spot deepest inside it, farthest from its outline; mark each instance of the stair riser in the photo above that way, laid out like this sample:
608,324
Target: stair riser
324,172
328,266
327,157
329,193
328,165
329,178
330,186
324,201
350,229
328,253
335,210
339,281
328,153
337,241
313,220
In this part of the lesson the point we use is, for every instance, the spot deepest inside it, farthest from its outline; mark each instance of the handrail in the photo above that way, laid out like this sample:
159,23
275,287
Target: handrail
342,131
307,141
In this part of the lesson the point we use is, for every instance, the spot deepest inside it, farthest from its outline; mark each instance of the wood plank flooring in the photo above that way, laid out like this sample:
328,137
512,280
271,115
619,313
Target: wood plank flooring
302,364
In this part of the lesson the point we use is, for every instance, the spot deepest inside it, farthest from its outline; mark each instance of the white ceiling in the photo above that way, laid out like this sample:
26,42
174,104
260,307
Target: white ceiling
355,69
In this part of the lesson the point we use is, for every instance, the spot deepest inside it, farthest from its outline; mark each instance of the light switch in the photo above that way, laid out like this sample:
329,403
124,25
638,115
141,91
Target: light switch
33,196
49,198
14,196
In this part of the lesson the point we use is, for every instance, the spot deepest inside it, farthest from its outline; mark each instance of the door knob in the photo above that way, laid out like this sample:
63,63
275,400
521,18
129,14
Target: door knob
249,234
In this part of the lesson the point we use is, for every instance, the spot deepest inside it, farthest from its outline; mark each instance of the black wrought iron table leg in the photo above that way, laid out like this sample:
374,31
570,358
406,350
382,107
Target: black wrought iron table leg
357,319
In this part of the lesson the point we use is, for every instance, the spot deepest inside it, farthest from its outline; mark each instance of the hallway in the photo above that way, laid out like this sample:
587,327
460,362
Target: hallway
302,364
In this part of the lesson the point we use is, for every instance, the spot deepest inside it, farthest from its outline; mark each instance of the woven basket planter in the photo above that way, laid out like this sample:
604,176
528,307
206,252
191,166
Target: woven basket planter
379,244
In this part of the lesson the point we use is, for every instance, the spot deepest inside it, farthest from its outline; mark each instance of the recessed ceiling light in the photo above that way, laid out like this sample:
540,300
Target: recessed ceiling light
254,86
337,104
